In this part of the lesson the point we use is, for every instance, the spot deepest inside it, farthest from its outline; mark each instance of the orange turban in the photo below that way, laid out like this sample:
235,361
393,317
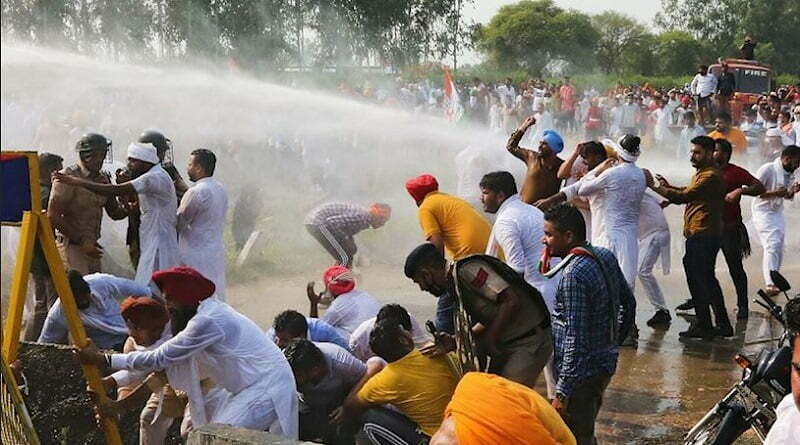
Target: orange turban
184,284
420,186
144,312
338,280
488,409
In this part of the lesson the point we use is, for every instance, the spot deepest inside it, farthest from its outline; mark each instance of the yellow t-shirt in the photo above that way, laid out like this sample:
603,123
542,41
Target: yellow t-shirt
735,136
464,230
420,386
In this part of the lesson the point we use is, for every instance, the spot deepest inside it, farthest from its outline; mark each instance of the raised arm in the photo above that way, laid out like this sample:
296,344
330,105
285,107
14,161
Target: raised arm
565,170
513,142
100,189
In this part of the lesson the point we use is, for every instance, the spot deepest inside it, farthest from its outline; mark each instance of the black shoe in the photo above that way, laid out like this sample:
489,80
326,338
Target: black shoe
660,318
742,313
696,331
686,306
725,331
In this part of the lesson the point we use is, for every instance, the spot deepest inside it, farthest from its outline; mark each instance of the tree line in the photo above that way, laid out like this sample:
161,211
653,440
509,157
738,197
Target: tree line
539,37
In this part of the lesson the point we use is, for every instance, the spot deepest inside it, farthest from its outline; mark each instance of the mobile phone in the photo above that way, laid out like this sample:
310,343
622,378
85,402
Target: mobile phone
431,328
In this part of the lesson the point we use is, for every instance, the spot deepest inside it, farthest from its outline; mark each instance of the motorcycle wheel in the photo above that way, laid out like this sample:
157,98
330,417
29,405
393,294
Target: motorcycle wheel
720,428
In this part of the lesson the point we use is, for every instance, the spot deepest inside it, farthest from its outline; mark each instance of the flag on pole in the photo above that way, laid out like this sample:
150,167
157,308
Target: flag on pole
453,111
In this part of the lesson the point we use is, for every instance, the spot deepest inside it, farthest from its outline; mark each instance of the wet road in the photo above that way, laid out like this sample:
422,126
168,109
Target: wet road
661,388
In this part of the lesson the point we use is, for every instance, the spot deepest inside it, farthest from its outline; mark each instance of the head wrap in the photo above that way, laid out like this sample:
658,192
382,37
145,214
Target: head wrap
382,210
144,312
338,280
629,148
143,151
420,186
489,409
553,140
184,284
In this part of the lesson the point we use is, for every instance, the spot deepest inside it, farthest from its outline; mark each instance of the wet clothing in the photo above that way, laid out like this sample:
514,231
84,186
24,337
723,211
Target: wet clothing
704,198
382,426
584,406
419,386
489,410
463,229
698,263
359,340
615,197
318,331
591,299
654,244
735,240
344,371
526,341
157,232
541,179
768,216
227,347
518,230
201,223
102,319
84,211
349,310
334,225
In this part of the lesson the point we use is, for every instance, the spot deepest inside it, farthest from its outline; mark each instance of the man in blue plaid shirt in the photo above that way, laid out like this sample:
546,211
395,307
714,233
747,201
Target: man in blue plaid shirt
594,310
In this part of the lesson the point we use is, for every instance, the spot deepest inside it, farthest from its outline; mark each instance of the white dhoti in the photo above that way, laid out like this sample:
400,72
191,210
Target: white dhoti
771,229
625,247
652,247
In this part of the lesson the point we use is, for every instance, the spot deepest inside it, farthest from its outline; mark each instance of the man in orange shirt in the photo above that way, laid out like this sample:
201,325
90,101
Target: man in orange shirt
724,130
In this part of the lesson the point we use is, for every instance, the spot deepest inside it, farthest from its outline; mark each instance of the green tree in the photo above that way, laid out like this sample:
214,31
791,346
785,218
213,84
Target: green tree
531,34
619,34
677,53
639,57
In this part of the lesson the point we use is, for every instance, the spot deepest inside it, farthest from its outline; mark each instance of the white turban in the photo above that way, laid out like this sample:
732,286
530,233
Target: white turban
143,151
624,154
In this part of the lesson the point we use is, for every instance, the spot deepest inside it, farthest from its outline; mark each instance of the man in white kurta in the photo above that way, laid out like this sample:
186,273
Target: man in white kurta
201,221
222,345
654,243
781,183
615,195
157,203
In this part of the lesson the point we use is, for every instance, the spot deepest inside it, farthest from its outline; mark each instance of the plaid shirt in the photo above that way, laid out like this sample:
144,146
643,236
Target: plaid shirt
582,320
341,218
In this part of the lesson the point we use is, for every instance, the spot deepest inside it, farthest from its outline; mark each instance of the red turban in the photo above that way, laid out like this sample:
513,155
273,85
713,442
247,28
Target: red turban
184,284
420,186
144,312
338,280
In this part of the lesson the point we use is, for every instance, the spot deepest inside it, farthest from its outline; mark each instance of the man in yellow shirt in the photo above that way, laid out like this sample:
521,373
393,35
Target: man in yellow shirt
724,130
419,387
487,409
450,224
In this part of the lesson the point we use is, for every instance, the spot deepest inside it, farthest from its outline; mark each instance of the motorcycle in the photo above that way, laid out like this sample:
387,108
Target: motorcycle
752,401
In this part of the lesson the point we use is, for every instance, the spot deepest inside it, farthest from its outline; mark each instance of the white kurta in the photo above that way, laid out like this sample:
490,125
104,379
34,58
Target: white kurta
201,222
615,197
654,243
349,310
157,232
227,347
768,216
786,429
519,231
359,340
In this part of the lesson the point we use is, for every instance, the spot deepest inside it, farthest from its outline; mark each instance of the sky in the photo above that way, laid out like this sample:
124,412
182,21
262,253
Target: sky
643,10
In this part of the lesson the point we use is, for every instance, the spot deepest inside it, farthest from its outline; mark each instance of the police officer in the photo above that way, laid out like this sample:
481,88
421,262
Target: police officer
77,213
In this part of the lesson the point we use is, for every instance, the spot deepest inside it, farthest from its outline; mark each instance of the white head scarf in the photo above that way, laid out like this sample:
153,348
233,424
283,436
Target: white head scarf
143,151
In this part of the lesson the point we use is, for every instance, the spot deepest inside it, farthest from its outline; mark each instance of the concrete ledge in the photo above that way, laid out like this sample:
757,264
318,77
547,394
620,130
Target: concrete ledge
216,434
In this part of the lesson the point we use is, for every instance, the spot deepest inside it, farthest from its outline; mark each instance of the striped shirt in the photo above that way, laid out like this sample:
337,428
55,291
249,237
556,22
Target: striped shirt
341,218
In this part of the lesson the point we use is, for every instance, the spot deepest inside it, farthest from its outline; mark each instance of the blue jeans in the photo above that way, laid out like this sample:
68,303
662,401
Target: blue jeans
699,262
445,306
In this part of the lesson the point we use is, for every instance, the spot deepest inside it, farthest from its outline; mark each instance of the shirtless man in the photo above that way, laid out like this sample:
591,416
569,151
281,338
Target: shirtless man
541,179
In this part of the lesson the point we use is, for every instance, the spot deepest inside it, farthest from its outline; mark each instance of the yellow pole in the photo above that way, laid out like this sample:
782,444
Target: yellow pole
74,323
19,286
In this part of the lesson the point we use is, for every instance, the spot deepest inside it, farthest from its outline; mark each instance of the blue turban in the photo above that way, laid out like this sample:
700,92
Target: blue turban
553,139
